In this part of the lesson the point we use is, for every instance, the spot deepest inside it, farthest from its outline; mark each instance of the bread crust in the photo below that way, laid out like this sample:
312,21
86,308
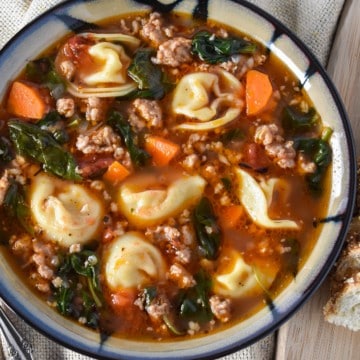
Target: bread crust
343,307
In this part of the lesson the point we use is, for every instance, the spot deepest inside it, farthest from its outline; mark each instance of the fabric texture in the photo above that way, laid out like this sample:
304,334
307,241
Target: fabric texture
314,21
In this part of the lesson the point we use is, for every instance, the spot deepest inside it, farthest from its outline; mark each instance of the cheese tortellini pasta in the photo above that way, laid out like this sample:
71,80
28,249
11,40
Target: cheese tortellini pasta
111,78
213,99
255,202
115,63
238,279
131,261
66,213
146,206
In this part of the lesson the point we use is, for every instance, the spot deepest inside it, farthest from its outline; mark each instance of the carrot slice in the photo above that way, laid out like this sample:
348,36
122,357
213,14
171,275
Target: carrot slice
230,216
26,101
116,173
258,91
161,150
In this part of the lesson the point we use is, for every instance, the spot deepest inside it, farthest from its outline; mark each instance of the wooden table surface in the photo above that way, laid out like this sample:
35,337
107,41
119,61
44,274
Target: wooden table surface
306,336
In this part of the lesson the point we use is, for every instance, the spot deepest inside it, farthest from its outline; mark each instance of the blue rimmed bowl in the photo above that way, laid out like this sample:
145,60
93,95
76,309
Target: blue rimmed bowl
79,15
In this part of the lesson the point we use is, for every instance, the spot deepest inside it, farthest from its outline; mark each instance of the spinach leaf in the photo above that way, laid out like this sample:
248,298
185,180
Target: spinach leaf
38,144
14,202
5,150
194,302
295,121
319,151
207,229
92,316
64,297
323,154
65,266
169,322
214,50
291,258
85,263
43,71
74,269
150,294
231,135
53,123
227,183
138,156
149,77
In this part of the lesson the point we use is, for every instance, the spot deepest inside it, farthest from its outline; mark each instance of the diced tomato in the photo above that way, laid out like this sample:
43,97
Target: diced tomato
91,168
123,299
255,156
254,152
76,47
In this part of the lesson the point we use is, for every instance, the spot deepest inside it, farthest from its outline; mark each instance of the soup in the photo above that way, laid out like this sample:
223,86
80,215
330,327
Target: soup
160,178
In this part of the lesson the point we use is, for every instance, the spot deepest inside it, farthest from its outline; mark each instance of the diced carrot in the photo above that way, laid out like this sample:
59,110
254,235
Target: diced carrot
161,150
230,216
258,91
116,173
26,100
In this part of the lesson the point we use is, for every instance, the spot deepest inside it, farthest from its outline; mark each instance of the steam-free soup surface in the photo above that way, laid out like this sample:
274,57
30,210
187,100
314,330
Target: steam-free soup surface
160,179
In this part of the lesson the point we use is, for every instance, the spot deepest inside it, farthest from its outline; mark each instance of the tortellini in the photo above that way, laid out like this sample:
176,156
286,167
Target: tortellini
111,78
238,279
214,99
268,187
66,213
115,63
253,198
131,261
145,206
271,185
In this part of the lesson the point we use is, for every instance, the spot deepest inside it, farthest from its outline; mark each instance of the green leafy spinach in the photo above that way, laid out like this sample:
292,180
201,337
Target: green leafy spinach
5,150
319,151
214,50
43,71
79,268
53,123
15,203
64,296
138,156
149,77
232,135
207,229
32,141
150,294
227,183
194,302
295,121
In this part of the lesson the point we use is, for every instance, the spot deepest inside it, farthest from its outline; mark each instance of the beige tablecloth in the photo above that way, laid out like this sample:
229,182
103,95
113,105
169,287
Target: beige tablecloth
314,21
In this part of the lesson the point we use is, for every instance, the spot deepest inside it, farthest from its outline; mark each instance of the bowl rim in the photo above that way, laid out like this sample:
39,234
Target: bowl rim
49,332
